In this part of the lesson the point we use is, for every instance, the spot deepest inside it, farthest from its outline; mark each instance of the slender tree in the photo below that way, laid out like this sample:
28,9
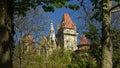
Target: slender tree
106,35
102,13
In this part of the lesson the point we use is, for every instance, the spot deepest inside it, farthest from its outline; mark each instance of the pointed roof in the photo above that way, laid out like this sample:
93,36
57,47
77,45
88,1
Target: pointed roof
52,32
67,22
51,26
83,41
28,37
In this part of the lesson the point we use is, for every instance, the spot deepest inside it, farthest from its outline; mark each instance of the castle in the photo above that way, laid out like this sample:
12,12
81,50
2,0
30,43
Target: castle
66,38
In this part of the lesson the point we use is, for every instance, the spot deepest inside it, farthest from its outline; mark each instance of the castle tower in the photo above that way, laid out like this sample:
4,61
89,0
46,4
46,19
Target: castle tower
84,44
67,35
52,38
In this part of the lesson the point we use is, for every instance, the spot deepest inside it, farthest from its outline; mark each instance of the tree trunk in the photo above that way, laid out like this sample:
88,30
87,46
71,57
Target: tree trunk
106,36
6,33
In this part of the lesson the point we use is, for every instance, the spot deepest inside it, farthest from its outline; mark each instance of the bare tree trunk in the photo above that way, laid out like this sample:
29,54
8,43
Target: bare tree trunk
106,36
6,33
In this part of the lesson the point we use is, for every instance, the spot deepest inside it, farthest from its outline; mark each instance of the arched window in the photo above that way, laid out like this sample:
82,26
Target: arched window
43,51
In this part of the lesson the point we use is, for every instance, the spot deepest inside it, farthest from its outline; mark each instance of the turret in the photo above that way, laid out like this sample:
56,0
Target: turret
52,32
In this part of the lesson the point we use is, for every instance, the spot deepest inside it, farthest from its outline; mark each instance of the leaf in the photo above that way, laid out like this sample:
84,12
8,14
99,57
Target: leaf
73,7
48,8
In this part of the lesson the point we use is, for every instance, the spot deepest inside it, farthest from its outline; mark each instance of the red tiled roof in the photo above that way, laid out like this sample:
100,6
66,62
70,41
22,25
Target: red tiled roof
67,22
84,40
28,37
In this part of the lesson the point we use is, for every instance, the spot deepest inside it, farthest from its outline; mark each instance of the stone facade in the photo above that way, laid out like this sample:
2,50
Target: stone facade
47,44
67,35
44,47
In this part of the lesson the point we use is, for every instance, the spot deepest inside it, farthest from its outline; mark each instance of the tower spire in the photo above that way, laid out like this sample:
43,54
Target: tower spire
52,32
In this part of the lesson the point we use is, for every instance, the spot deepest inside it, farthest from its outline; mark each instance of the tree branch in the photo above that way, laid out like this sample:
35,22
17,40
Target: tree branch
115,10
81,3
114,7
87,14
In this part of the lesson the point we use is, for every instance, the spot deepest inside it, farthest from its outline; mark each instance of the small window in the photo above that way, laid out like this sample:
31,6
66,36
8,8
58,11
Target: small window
67,41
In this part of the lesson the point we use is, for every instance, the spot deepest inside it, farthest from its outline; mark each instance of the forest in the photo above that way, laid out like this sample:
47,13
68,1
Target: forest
102,29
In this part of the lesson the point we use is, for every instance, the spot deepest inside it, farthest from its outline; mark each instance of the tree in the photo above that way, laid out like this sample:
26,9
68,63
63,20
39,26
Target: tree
104,15
82,59
106,36
116,47
95,46
115,30
22,53
6,33
34,23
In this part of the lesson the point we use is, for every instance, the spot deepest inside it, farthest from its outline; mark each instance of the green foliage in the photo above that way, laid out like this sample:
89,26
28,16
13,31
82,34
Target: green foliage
90,58
59,58
92,34
80,64
116,47
95,50
80,60
21,6
48,8
117,1
73,6
36,61
95,47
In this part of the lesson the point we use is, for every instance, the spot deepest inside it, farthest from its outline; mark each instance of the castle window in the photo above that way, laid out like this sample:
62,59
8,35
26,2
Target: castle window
72,48
67,41
43,51
67,30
